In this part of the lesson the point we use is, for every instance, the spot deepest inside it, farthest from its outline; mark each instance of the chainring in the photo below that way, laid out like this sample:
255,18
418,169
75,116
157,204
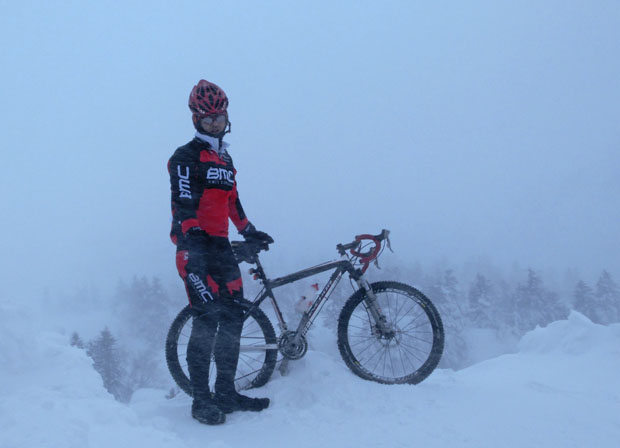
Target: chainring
290,349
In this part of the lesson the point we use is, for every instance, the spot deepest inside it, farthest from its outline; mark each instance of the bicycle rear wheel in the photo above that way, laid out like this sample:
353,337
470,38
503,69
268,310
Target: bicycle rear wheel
257,357
408,353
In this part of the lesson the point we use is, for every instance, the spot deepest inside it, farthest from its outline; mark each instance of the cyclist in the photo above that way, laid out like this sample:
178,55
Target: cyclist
204,197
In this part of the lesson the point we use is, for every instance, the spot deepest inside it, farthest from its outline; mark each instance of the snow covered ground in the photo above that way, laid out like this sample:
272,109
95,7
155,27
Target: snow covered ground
561,389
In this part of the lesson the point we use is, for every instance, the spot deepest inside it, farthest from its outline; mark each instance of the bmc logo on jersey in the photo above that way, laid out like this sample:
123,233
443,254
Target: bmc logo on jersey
220,174
184,187
200,287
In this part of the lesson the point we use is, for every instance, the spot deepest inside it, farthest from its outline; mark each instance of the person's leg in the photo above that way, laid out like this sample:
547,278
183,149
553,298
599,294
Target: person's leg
199,349
226,350
192,267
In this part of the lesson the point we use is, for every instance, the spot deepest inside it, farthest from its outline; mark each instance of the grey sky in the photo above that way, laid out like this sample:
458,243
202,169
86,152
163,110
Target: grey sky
470,129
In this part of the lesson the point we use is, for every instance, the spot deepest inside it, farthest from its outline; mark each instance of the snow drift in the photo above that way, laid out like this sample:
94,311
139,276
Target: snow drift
560,389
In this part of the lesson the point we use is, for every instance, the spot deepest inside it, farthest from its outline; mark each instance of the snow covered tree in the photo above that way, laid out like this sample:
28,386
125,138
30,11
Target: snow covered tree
143,370
583,300
106,361
146,311
444,293
76,340
607,297
480,302
536,305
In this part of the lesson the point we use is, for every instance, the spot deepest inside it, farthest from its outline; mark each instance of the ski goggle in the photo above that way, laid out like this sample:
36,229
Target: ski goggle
215,119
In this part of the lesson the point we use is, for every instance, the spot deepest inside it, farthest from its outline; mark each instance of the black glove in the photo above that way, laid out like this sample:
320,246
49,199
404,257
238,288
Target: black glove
196,238
255,236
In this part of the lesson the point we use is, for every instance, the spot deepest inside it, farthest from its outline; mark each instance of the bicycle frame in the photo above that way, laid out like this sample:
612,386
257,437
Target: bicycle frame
339,267
297,337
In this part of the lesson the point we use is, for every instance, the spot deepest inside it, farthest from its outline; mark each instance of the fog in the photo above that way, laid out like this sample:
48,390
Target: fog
478,132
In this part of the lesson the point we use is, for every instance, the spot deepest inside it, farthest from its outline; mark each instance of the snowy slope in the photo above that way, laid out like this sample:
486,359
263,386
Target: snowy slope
562,389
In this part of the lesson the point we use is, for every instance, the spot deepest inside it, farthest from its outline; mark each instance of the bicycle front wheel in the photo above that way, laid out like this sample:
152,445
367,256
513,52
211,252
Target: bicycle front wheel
257,356
411,348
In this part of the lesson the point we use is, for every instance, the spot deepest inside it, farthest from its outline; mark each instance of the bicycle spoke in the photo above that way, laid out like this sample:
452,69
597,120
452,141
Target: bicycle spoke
385,357
372,342
184,335
363,317
391,361
381,352
363,345
389,309
401,358
246,375
245,361
407,348
420,339
413,322
407,313
365,335
411,354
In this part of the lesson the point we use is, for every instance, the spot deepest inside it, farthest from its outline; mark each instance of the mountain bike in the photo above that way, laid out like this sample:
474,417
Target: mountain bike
387,332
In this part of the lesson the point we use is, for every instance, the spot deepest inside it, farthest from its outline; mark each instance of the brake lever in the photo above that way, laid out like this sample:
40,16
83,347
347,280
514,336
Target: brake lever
387,242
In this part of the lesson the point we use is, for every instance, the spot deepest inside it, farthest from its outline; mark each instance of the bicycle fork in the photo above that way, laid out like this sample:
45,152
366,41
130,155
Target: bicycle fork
372,306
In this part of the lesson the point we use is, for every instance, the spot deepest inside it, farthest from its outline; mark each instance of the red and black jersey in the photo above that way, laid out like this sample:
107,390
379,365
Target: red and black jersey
204,191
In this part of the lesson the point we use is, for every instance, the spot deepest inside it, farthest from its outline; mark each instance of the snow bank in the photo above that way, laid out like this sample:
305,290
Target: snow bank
50,396
560,389
575,336
546,395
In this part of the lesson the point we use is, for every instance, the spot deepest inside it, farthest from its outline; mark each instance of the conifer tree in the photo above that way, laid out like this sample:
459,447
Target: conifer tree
106,360
584,301
147,309
535,305
76,340
480,303
445,295
607,297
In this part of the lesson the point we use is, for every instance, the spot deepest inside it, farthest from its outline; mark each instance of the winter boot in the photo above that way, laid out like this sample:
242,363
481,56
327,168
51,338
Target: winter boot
207,412
231,402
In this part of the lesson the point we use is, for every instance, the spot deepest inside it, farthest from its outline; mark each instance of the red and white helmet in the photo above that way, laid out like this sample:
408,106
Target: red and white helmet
207,98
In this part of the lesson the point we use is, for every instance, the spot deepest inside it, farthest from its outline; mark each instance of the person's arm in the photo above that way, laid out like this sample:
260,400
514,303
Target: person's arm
184,193
241,222
236,213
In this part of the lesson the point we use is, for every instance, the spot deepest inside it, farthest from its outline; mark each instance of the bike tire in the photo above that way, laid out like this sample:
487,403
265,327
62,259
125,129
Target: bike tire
252,371
405,308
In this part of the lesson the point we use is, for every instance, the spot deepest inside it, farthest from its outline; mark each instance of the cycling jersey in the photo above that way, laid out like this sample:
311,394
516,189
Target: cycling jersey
204,191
